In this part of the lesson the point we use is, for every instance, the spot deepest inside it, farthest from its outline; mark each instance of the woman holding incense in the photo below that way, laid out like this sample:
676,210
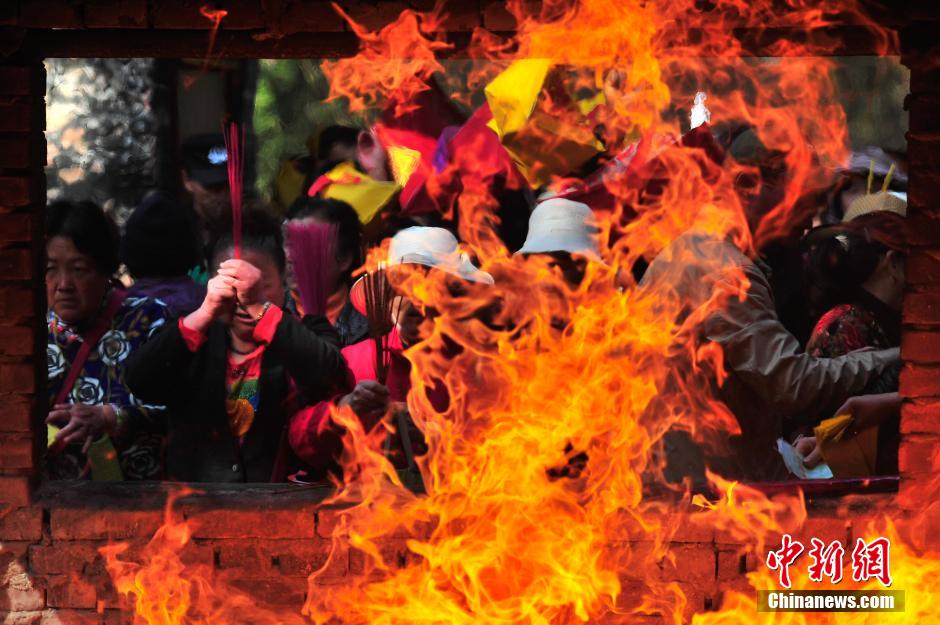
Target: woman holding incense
324,239
93,328
378,372
233,371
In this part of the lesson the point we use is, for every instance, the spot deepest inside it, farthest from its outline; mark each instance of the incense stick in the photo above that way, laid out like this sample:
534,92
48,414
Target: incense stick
312,250
234,146
379,297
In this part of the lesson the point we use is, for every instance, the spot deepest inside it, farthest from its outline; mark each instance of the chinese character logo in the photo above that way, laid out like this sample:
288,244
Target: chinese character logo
872,560
782,559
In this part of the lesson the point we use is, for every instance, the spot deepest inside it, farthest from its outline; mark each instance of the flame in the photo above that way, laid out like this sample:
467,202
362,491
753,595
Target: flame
215,16
547,499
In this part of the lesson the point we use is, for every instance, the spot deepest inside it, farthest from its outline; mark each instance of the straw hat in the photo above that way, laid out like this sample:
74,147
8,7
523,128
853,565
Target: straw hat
873,203
560,225
431,247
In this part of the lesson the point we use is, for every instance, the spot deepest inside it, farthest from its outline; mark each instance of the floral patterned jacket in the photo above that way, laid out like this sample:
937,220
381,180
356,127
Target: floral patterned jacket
101,381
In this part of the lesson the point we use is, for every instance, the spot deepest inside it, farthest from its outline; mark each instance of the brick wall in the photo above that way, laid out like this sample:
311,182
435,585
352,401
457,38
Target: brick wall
50,569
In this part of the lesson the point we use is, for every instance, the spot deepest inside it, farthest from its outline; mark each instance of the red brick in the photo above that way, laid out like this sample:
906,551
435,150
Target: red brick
301,557
91,524
275,590
244,554
924,149
299,17
16,264
922,267
17,378
70,591
922,113
462,17
14,489
185,14
13,565
16,340
496,17
16,80
254,523
923,230
921,416
374,16
16,414
14,191
9,14
826,529
735,564
20,524
19,599
16,228
16,451
922,211
16,303
115,13
689,563
63,556
920,381
81,617
919,453
920,346
921,307
15,153
327,521
51,14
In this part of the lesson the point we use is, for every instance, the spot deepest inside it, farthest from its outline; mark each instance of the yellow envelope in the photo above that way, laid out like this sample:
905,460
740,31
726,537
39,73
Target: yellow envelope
847,456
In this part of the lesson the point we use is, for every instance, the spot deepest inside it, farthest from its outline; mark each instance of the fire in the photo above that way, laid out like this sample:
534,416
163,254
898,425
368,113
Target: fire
215,16
603,368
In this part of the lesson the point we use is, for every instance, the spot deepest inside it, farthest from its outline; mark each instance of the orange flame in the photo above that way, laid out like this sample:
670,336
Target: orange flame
547,497
215,16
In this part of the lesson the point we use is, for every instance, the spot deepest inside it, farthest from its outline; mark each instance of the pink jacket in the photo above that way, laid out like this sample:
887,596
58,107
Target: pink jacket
313,435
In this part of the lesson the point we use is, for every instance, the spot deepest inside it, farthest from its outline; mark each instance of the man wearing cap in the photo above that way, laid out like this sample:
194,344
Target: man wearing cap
313,435
205,175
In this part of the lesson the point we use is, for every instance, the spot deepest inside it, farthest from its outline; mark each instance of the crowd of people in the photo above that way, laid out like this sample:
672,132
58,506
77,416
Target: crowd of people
181,349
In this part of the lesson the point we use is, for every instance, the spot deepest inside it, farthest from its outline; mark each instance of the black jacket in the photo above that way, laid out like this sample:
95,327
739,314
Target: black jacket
201,447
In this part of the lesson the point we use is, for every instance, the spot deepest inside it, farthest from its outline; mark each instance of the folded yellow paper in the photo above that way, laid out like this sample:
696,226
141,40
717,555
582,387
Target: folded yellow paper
847,456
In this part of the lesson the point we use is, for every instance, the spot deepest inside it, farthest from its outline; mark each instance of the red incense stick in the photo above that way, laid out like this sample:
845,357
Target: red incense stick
234,146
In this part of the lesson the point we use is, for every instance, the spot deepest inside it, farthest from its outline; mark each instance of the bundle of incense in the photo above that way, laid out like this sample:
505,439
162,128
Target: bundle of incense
234,147
312,250
379,298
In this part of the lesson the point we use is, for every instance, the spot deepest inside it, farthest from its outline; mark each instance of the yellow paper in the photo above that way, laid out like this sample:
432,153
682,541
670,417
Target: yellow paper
512,95
403,161
847,456
366,195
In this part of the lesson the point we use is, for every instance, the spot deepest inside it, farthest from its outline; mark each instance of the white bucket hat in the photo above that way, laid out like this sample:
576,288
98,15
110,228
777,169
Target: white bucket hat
431,247
560,225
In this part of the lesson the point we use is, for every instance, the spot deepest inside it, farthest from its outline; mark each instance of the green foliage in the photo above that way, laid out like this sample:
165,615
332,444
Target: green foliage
290,110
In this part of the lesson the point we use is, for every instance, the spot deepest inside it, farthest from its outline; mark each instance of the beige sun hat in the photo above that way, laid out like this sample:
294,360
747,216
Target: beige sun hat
560,225
873,203
427,246
883,200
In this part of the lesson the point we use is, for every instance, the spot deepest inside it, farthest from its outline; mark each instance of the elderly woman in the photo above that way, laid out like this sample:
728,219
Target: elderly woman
93,328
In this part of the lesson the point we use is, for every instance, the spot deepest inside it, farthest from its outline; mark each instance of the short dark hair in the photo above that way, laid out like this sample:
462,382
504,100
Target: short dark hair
89,229
261,232
161,238
332,135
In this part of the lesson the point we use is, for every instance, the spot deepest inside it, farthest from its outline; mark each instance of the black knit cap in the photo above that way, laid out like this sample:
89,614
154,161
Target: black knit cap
161,238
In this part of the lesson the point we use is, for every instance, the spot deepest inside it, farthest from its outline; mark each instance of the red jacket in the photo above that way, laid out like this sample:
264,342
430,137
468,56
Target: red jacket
313,435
